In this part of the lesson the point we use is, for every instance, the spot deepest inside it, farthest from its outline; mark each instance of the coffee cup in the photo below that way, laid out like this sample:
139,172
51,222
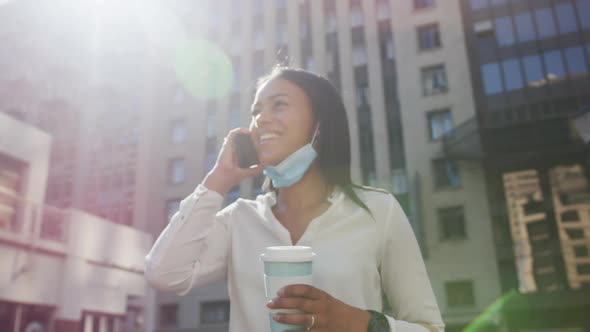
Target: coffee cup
286,265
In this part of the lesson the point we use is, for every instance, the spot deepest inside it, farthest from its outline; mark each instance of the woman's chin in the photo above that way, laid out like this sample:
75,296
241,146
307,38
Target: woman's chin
269,161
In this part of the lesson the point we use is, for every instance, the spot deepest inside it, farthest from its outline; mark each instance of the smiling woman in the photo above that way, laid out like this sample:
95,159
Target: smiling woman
364,243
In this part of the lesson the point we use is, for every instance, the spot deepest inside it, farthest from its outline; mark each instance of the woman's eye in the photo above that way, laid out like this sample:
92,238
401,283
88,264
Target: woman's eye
279,103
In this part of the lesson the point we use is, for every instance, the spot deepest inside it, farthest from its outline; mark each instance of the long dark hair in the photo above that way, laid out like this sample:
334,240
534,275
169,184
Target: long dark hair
333,143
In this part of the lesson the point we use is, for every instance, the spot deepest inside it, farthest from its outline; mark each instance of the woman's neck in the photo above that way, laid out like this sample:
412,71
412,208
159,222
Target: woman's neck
308,192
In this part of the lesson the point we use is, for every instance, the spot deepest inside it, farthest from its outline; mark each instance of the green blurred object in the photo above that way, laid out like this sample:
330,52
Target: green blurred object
557,310
203,69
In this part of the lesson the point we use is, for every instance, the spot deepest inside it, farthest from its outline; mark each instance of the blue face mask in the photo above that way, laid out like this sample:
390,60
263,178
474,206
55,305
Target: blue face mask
292,169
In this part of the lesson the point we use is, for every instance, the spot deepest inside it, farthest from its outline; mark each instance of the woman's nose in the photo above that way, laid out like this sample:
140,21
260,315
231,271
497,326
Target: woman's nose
262,117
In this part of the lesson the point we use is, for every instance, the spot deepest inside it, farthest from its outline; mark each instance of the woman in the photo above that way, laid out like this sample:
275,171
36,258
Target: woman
365,246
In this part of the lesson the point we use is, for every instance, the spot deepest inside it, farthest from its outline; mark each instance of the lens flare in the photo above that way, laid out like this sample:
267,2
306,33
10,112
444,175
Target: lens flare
203,69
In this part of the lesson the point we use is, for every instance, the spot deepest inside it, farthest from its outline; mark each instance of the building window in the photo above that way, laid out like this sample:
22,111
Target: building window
172,207
575,234
583,10
176,171
422,4
545,23
356,14
259,39
359,55
179,131
383,10
281,34
234,118
211,122
460,293
331,23
512,75
576,64
214,312
452,223
479,4
428,37
434,80
583,269
581,251
446,174
310,63
554,64
492,79
168,316
389,48
533,69
504,31
366,143
566,18
525,28
362,95
400,181
439,123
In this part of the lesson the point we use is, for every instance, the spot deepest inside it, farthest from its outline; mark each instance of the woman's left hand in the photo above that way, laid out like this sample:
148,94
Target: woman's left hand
322,312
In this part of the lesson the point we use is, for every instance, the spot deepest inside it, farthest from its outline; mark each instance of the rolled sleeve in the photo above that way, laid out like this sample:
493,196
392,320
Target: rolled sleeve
192,250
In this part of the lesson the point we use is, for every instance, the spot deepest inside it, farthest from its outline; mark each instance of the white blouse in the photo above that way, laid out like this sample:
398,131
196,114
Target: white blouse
359,257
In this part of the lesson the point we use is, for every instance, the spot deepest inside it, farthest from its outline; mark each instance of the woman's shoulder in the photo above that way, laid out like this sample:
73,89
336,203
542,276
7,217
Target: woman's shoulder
374,195
379,200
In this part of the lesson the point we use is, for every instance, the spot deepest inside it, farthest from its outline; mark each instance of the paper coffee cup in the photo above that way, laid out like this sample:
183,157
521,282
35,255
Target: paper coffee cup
286,265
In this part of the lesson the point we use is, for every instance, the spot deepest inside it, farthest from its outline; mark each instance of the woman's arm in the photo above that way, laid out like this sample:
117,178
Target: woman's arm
192,250
405,280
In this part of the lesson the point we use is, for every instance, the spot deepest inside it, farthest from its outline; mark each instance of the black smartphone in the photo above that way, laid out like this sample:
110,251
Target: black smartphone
247,155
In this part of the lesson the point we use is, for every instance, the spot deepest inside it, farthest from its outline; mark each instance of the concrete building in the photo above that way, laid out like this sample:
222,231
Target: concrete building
62,270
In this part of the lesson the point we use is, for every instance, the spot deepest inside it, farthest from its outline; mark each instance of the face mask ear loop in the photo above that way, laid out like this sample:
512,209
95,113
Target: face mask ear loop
315,134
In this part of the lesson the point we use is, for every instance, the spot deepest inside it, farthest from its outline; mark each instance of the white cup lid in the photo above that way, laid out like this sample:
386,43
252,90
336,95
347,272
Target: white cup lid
287,254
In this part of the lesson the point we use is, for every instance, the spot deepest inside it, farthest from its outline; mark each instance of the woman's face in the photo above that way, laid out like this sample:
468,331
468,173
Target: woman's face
282,120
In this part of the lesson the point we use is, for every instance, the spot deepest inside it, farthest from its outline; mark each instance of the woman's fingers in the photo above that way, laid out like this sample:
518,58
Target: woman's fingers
296,319
299,303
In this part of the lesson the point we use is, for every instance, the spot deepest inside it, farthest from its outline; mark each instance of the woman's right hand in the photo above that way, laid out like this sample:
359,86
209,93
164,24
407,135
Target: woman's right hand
226,173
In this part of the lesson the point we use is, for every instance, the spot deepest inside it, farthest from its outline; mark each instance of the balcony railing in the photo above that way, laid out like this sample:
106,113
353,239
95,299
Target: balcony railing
28,219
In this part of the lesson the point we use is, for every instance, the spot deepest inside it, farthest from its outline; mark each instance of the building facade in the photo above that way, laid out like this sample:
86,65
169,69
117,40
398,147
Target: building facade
529,64
62,269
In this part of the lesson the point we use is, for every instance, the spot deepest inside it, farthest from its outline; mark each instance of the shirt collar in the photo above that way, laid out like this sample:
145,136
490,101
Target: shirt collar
270,198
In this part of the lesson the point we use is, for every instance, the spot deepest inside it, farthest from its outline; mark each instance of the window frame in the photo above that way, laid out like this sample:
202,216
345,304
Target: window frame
429,117
444,235
449,186
202,305
420,5
423,34
471,287
171,170
432,69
